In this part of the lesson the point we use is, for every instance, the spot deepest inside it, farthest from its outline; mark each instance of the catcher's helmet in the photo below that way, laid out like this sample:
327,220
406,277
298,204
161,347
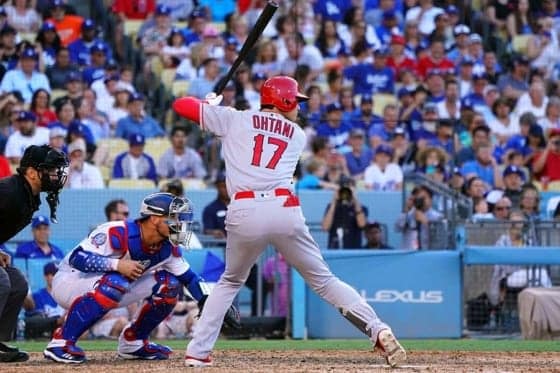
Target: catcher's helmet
282,93
179,213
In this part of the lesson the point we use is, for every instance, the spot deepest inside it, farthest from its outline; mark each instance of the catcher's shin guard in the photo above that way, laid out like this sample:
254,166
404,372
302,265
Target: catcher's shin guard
91,307
156,308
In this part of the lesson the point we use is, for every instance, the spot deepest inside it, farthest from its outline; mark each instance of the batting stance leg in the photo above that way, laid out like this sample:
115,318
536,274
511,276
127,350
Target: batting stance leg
83,313
133,341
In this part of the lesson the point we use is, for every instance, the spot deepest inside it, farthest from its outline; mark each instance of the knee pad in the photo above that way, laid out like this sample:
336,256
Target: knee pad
166,287
110,290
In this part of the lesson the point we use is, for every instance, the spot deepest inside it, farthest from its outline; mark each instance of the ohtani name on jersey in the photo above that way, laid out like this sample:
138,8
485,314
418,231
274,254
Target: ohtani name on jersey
273,125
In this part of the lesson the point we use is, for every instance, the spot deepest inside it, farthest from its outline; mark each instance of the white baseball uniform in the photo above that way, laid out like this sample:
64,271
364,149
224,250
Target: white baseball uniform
70,283
261,150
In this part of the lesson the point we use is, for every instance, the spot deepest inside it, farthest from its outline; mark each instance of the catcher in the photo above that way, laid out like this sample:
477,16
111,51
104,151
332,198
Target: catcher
122,262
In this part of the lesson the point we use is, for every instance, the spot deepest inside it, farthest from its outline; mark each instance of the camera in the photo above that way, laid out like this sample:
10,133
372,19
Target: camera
345,191
419,203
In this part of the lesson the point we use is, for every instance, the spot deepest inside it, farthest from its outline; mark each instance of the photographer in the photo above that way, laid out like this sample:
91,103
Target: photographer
345,218
413,223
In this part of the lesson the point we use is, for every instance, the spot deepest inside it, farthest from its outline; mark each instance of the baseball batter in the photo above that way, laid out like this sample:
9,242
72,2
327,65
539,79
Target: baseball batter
120,263
261,150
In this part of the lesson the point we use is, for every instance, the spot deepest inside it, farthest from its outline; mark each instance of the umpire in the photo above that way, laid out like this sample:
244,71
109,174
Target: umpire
41,169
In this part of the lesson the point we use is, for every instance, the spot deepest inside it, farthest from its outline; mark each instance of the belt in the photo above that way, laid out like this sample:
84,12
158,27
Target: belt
247,194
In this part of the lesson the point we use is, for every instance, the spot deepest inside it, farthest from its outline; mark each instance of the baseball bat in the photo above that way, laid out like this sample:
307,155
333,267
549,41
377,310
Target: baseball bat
252,38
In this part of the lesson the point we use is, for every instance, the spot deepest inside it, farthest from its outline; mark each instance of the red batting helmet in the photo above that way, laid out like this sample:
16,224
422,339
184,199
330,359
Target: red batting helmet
282,93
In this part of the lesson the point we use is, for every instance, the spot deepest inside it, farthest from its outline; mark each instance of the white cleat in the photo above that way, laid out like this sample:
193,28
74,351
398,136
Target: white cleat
391,348
195,362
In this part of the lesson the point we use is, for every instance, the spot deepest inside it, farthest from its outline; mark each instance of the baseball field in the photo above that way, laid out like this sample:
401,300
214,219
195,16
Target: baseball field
236,356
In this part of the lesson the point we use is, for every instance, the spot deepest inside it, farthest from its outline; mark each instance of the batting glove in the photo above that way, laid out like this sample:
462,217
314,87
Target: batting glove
213,99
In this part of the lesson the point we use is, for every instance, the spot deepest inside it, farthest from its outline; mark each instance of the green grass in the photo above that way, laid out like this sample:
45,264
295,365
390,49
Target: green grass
335,344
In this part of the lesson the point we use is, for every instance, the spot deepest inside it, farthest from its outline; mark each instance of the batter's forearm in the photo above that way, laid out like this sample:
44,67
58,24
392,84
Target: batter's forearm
188,107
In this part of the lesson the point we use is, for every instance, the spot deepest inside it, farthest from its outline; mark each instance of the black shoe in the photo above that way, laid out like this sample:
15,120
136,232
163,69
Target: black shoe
13,357
7,348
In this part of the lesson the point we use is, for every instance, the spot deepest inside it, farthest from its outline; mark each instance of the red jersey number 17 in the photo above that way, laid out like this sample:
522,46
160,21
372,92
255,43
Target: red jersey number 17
280,145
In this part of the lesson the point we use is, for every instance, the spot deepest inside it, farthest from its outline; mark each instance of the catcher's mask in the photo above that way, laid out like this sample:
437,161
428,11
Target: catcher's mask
178,212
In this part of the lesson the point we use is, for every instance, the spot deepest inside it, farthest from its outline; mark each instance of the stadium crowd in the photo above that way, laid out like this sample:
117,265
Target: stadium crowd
396,86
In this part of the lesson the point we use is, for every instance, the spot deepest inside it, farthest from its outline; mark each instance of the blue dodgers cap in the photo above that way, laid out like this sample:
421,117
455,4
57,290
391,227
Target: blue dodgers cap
50,268
335,106
136,139
198,13
136,97
366,99
48,26
73,76
26,115
39,220
404,92
389,14
57,3
29,53
259,76
163,10
456,171
109,77
513,170
88,24
98,47
232,41
384,149
451,9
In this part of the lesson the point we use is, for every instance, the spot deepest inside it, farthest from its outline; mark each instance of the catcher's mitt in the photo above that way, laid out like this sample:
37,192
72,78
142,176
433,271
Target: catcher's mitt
232,319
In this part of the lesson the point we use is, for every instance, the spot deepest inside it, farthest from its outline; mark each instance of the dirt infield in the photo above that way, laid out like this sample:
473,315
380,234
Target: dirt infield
232,361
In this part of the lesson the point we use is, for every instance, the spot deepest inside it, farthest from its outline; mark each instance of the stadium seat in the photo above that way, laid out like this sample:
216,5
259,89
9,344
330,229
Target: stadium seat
156,146
57,93
106,173
553,185
29,36
131,27
191,183
131,184
180,88
380,100
520,43
167,78
107,150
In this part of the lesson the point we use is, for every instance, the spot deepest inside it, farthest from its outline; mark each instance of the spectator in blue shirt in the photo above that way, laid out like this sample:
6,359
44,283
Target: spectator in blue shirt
372,78
134,163
138,121
214,214
444,136
25,79
40,247
80,49
43,314
200,86
197,23
383,132
96,69
364,118
384,31
334,128
331,9
313,179
484,166
360,156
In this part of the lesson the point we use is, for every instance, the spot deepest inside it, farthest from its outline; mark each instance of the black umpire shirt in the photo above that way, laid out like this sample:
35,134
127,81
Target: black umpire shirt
17,205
